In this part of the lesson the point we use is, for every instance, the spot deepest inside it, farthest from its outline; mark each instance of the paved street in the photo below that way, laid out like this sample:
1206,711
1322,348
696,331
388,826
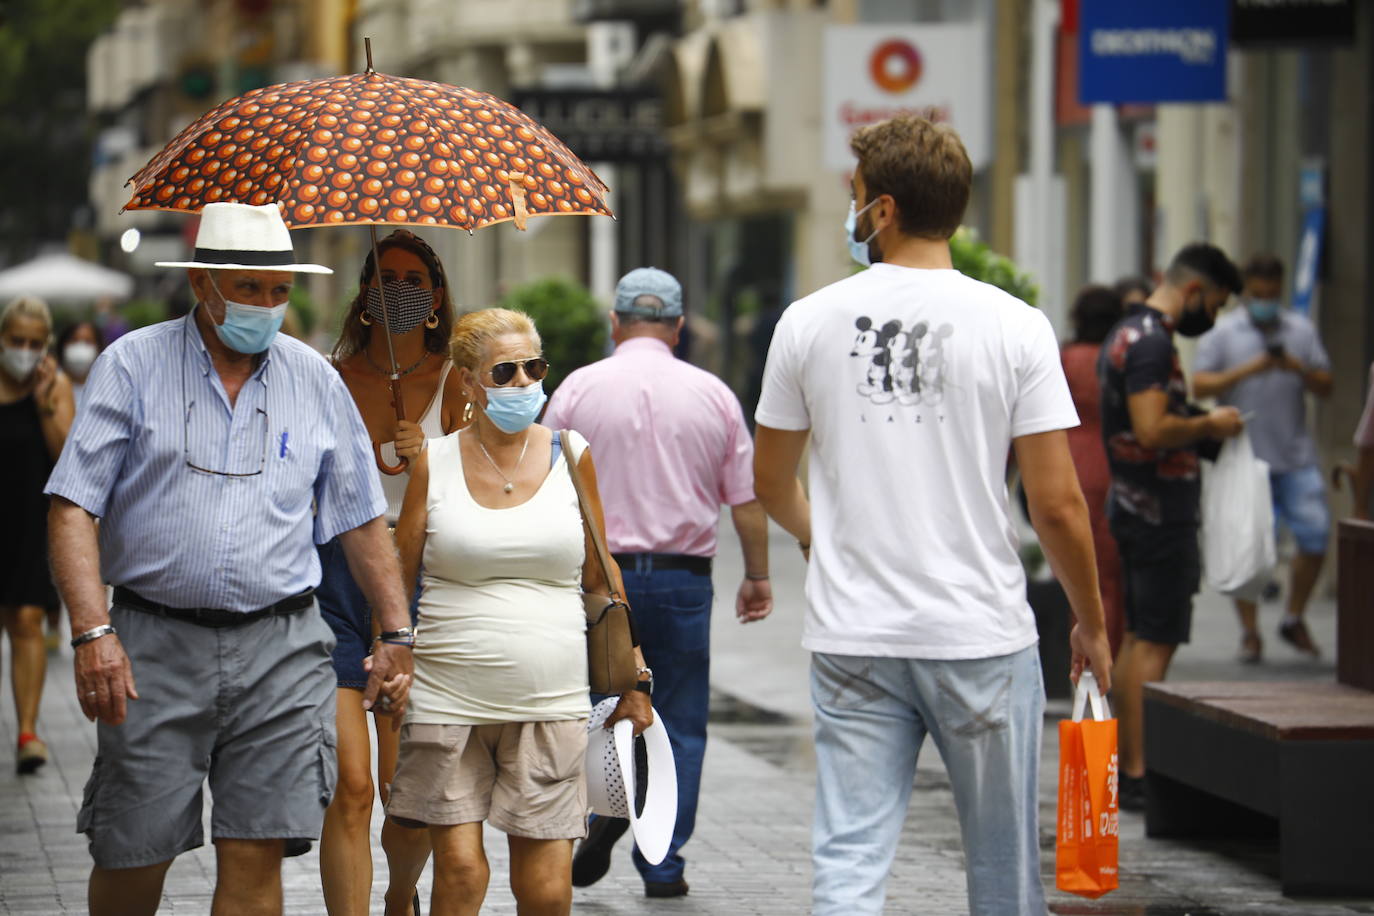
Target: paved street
750,853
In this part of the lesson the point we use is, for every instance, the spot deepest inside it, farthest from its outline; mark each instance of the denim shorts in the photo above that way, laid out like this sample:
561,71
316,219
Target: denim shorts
249,707
345,609
1300,503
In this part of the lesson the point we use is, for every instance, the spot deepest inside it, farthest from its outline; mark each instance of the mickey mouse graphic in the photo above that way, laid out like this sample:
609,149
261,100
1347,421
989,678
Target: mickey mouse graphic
932,368
873,343
906,372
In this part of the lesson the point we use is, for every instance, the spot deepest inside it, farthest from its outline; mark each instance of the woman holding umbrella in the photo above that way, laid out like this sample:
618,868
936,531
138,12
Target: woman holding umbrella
35,416
420,313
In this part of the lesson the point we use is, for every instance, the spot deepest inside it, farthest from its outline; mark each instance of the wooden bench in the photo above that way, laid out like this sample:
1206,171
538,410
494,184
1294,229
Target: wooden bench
1301,754
1242,758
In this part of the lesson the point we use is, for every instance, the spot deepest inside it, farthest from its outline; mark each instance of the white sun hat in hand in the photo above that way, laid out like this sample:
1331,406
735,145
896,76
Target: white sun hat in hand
612,778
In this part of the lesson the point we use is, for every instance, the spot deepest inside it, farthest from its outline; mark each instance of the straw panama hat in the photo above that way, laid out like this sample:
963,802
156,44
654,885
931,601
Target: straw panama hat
243,237
611,778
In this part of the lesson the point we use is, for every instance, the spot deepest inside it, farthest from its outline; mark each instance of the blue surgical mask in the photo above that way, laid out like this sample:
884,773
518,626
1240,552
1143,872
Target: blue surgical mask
514,409
249,328
858,250
1263,311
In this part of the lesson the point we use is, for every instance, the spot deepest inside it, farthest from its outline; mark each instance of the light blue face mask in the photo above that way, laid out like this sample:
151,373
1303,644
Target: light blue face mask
858,250
513,409
248,328
1263,311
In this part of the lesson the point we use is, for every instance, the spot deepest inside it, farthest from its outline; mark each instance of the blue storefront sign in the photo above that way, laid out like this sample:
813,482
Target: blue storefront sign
1312,196
1152,51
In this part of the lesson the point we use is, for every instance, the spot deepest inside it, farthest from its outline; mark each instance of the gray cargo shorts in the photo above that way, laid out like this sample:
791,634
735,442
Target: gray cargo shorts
250,707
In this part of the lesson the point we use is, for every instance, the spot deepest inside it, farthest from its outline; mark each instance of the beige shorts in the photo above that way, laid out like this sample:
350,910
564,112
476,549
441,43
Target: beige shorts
526,778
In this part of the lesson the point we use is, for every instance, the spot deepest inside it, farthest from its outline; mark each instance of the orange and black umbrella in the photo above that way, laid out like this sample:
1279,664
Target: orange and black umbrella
371,148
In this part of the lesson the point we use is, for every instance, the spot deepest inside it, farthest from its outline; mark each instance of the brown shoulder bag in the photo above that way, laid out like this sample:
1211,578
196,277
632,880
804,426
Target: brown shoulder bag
611,664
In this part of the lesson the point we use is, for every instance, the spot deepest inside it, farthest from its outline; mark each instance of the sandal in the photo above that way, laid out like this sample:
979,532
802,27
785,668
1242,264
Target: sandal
32,754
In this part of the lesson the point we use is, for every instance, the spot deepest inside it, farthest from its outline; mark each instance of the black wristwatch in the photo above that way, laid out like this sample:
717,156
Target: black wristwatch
647,684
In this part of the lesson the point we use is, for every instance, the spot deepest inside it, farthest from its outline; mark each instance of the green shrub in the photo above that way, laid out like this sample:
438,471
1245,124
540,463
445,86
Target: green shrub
303,307
571,323
972,257
140,313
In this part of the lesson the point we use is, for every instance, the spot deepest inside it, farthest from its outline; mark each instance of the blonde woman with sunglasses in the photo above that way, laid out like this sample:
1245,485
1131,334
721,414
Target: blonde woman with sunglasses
496,729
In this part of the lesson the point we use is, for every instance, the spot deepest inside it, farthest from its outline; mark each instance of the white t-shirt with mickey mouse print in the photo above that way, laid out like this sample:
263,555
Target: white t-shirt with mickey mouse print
913,384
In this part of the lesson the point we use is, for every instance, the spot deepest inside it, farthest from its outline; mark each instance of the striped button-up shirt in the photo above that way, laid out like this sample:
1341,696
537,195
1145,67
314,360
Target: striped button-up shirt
157,421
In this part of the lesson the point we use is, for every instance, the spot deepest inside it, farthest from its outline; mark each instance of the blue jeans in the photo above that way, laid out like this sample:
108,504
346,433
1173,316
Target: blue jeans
872,716
672,612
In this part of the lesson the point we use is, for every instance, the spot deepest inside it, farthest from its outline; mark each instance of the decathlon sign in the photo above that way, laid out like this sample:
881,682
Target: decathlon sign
872,73
1152,51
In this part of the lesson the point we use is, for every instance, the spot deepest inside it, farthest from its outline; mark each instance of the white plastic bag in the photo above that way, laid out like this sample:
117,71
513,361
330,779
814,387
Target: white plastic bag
1237,521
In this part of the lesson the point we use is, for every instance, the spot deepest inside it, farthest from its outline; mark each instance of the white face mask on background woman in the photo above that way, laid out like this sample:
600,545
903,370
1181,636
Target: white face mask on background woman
19,362
78,356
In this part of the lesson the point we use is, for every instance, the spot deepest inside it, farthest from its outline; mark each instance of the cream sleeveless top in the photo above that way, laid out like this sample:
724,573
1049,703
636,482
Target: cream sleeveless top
502,633
432,423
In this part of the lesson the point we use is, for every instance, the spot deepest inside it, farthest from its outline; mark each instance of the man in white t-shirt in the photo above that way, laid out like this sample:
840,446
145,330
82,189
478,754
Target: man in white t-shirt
914,383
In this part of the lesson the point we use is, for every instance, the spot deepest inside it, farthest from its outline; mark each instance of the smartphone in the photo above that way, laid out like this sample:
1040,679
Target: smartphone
1275,350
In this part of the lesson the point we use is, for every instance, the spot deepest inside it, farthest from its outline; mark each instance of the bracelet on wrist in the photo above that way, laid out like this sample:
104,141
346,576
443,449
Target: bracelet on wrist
93,634
402,633
408,643
754,577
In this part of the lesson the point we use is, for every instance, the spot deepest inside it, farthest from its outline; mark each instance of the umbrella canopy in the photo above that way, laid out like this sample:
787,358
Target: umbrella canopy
371,148
64,278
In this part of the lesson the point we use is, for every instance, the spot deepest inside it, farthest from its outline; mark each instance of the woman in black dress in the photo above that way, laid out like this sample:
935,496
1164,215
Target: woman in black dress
36,410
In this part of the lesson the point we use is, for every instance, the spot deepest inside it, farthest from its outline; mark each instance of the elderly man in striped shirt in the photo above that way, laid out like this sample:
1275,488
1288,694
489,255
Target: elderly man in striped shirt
216,454
671,447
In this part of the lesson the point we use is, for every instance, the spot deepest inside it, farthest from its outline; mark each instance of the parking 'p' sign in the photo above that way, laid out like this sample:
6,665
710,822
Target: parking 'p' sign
1160,51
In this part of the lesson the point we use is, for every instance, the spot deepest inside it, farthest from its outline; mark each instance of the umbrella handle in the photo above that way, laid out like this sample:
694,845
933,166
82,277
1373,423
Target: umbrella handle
396,402
388,469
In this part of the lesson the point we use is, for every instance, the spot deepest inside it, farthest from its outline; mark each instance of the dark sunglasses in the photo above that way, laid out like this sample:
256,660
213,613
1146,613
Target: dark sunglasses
535,368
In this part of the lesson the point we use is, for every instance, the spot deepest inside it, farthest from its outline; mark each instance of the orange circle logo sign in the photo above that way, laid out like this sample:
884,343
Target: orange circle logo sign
895,66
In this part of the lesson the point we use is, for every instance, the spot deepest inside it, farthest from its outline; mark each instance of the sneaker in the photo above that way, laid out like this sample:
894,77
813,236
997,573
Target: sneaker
1251,648
1130,793
32,753
676,888
1294,632
593,857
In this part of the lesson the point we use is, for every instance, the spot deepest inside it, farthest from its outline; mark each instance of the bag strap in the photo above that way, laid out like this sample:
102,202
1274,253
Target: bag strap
1087,692
587,519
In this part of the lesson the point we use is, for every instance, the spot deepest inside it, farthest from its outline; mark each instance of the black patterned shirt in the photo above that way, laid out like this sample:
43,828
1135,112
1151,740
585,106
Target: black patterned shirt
1157,485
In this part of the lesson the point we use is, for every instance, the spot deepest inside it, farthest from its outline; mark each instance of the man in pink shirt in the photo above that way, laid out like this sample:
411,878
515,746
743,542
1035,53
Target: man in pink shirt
671,447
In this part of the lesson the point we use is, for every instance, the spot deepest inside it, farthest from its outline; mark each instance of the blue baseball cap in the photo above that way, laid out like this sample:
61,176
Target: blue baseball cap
662,287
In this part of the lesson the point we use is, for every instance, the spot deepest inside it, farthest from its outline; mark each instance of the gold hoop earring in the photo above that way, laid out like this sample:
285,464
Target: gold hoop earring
432,321
467,413
367,322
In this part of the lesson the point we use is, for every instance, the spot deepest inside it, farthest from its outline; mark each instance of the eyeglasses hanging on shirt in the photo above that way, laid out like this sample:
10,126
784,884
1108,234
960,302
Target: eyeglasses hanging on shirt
196,464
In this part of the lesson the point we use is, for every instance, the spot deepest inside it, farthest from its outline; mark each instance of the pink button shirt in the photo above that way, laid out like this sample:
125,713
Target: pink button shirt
669,442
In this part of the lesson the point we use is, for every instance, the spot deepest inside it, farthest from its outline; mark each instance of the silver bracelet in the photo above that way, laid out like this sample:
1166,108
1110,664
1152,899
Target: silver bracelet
93,634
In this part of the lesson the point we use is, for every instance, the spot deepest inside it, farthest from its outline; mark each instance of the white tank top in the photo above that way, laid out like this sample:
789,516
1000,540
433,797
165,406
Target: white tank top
432,423
502,633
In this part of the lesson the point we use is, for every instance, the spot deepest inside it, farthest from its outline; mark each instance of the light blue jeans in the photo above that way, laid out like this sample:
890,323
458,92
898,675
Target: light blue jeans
872,716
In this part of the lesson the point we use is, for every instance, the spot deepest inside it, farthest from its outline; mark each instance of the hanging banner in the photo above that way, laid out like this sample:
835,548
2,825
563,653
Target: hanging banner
1156,51
1312,196
875,72
1292,23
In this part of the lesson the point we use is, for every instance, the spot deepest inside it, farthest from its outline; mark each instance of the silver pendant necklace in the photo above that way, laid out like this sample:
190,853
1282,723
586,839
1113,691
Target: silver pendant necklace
510,485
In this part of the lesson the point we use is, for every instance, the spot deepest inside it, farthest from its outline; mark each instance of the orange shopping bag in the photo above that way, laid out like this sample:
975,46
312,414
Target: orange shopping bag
1086,840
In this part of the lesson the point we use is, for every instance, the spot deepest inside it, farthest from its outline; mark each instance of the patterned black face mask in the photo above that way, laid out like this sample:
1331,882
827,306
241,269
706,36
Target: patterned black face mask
406,305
